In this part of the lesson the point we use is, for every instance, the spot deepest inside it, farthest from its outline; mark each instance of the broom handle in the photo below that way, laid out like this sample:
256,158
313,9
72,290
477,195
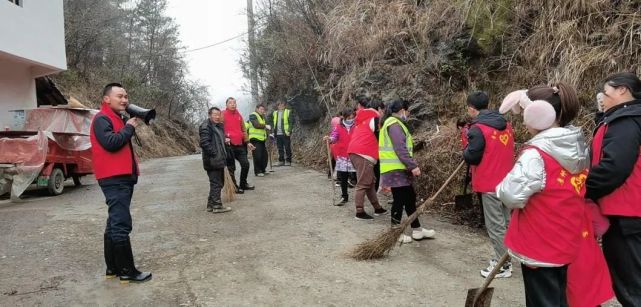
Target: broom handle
271,153
331,171
490,277
419,210
447,182
329,159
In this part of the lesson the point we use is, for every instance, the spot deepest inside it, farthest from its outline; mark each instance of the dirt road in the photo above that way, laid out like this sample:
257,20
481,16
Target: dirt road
282,245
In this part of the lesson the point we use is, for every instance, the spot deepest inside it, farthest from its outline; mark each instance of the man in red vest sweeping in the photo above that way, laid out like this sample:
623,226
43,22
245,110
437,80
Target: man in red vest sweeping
490,152
116,169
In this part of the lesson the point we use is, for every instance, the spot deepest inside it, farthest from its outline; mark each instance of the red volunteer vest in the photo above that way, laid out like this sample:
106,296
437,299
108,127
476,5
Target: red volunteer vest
339,149
497,161
589,282
108,164
626,199
552,224
234,127
363,140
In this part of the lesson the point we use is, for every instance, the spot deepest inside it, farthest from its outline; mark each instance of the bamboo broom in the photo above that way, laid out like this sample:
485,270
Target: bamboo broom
229,188
331,170
381,246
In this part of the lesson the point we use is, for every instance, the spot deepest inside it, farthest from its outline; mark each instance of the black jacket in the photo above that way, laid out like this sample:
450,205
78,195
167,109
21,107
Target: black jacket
473,153
212,142
619,150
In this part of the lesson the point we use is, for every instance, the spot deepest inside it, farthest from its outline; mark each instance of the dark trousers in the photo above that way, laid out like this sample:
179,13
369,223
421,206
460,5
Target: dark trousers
545,287
377,173
118,198
284,148
239,153
261,157
404,197
622,250
343,177
216,182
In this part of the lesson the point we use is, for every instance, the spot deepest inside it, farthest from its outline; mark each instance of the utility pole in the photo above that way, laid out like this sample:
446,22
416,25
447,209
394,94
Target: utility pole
253,73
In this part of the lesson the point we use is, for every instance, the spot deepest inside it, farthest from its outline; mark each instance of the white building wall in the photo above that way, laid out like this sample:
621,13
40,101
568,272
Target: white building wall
17,89
35,33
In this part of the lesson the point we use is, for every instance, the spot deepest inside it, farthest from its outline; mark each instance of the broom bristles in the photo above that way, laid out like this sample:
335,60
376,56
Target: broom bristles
229,189
383,244
379,247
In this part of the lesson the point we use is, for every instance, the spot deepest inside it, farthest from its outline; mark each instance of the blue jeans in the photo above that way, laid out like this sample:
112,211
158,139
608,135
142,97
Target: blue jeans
118,198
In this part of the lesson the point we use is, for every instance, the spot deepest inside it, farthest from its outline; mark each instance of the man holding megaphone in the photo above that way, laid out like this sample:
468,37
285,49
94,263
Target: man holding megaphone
116,169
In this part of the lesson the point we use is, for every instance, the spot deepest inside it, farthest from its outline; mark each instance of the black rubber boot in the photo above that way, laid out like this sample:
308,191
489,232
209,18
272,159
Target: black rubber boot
125,264
109,258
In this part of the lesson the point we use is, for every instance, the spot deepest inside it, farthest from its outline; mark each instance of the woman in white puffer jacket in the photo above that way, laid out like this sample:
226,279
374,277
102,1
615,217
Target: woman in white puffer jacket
550,228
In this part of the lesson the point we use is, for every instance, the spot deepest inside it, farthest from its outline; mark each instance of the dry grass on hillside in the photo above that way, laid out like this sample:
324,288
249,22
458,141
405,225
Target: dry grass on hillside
435,52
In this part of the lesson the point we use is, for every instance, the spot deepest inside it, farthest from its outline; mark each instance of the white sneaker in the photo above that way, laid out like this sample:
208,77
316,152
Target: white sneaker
422,233
504,272
404,239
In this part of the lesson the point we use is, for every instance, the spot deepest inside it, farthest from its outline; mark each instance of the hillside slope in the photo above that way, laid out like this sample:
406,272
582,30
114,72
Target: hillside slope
321,54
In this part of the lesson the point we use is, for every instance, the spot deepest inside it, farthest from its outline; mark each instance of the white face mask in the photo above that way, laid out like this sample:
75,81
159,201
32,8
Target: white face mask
404,116
348,122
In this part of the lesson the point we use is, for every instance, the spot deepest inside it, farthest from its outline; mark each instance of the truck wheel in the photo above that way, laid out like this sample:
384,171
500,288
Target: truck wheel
56,181
76,180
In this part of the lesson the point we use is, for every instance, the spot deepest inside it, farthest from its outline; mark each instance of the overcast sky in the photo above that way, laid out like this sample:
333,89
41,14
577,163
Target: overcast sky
205,22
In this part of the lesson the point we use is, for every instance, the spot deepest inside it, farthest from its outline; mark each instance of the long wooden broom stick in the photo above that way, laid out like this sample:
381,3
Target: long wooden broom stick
271,154
381,246
331,171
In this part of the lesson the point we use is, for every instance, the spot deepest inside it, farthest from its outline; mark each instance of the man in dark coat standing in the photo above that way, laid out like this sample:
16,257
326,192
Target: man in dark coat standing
212,142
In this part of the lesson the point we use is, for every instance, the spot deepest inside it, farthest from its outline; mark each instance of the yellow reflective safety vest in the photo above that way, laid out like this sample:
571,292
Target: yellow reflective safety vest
255,133
387,156
285,121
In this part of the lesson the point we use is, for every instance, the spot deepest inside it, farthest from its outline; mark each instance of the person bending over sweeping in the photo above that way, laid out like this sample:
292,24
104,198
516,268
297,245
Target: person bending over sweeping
399,168
549,229
339,138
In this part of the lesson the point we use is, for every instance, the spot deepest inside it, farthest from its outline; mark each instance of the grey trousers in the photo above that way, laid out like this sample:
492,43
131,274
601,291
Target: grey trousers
497,218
